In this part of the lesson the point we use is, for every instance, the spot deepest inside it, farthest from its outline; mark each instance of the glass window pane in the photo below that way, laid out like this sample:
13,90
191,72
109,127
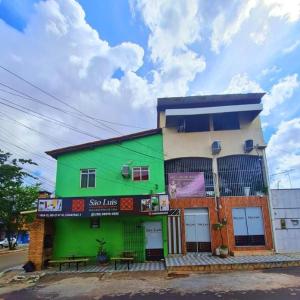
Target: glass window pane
92,180
84,180
145,174
136,173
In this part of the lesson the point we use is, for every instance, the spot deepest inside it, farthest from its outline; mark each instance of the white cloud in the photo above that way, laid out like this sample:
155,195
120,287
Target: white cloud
240,83
174,27
260,36
283,154
228,23
60,52
272,70
292,47
285,9
173,24
280,92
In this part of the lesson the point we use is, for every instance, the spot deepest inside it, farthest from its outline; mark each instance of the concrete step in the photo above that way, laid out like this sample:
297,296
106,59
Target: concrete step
253,253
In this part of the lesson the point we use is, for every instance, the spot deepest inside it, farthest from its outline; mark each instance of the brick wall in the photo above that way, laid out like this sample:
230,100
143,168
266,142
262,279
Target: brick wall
38,229
227,203
36,244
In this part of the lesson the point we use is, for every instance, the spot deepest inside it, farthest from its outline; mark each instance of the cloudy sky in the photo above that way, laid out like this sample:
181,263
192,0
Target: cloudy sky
96,69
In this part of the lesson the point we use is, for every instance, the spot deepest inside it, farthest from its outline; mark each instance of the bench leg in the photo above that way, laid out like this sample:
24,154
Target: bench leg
77,264
115,265
59,267
128,264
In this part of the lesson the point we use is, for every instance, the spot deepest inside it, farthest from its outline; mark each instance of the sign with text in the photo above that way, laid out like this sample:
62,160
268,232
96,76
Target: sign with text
186,184
97,206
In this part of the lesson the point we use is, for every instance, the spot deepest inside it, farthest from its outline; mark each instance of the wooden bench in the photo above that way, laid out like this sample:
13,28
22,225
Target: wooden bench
61,262
121,259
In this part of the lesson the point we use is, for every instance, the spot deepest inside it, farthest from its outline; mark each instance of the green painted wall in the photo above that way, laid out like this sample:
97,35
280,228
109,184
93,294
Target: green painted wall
108,160
74,235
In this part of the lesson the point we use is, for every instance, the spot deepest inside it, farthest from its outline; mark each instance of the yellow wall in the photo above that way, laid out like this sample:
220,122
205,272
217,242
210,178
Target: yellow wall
198,144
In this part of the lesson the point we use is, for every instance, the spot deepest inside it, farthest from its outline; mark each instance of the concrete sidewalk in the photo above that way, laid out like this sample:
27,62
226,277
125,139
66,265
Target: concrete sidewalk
208,262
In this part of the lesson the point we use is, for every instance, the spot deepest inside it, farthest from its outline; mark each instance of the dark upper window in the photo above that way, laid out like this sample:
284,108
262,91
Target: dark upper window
140,173
87,178
226,121
197,123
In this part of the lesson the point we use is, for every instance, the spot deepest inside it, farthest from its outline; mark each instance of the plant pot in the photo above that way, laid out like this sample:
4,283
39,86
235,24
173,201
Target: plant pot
102,258
224,252
247,191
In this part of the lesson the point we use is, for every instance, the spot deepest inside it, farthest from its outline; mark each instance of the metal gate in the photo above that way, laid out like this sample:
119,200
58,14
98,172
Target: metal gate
197,230
134,240
248,226
174,232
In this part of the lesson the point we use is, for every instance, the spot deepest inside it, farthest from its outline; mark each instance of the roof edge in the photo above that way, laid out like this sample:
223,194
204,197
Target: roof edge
56,152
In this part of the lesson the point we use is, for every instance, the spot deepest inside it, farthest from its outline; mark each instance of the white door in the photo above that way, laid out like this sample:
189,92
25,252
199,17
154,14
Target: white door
153,233
197,227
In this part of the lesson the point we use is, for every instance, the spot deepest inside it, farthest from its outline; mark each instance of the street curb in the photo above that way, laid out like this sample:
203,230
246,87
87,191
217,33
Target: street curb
12,251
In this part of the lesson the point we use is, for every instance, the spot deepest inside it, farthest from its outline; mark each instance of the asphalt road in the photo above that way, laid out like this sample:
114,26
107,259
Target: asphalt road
12,259
82,293
280,294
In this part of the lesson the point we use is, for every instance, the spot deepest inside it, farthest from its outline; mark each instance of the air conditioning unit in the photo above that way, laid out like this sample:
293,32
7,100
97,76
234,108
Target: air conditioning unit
216,147
248,146
125,171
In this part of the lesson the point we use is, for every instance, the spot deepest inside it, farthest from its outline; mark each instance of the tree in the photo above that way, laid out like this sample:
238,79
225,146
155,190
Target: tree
15,196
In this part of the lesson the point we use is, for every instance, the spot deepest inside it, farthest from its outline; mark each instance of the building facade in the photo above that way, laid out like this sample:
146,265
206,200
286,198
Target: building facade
220,138
111,190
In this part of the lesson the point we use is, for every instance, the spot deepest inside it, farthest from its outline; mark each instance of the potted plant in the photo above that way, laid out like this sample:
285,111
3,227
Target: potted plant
221,251
101,255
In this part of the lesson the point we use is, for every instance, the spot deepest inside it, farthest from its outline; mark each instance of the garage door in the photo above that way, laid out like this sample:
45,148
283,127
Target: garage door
197,229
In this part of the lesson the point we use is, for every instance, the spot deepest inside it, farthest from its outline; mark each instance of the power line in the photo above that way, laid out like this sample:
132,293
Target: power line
30,98
60,100
41,116
97,176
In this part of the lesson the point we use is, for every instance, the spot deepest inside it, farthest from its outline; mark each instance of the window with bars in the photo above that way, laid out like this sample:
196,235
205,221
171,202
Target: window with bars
241,175
140,173
192,164
87,178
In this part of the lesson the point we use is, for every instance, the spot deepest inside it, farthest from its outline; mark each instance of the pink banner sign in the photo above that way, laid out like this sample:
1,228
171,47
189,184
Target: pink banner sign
190,184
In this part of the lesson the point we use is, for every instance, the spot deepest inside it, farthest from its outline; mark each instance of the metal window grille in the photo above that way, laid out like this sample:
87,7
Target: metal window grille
192,164
241,175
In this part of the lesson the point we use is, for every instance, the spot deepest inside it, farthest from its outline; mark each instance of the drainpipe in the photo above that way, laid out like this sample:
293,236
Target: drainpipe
270,205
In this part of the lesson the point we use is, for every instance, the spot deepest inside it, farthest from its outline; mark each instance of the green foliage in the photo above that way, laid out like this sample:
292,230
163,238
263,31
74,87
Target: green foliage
15,196
101,249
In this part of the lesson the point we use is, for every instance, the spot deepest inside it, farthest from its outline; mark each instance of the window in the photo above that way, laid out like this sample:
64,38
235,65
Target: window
248,226
226,121
88,178
140,173
196,123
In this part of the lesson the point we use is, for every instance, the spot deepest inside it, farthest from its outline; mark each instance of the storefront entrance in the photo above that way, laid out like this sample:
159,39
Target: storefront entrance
197,230
154,241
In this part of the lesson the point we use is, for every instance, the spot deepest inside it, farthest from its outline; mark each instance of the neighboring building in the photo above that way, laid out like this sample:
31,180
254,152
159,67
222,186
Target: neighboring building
110,189
220,138
286,214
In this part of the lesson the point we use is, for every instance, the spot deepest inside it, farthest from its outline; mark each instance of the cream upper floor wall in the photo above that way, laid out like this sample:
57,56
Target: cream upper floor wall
198,144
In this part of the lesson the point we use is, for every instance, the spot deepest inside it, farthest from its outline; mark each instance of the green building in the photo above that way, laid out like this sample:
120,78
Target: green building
113,190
